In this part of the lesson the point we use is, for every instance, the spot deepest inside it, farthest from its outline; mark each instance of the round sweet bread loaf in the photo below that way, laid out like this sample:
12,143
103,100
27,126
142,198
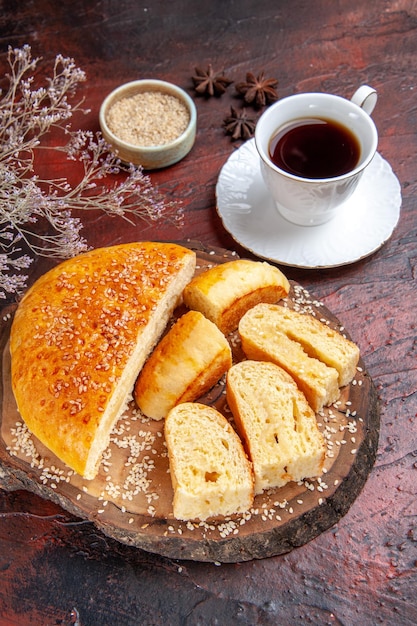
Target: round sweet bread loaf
80,336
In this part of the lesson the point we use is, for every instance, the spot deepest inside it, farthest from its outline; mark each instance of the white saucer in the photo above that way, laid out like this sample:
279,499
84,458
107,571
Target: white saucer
363,224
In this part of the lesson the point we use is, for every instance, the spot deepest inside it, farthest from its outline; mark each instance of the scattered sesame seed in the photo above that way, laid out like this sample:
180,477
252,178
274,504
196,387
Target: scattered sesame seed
142,448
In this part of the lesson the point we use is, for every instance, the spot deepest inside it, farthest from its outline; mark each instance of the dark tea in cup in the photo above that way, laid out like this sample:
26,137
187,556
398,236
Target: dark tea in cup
315,148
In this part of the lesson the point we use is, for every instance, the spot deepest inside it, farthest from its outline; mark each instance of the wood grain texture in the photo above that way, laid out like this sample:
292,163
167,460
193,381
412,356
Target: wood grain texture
54,567
279,521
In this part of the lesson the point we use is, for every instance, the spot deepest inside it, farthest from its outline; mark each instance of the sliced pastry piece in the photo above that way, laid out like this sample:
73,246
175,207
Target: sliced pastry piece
188,361
276,423
225,292
80,336
317,339
262,340
210,472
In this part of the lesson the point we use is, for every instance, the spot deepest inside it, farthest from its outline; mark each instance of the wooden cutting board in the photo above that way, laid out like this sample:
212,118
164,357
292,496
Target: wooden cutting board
130,500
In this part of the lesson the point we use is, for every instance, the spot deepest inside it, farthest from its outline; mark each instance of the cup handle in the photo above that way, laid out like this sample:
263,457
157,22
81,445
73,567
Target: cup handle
365,97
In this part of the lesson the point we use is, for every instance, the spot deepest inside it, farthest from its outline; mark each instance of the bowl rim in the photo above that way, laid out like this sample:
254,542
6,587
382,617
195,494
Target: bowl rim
154,83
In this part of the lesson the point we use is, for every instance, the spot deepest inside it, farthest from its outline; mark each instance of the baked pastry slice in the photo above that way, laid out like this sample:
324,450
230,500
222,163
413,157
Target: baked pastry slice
80,336
225,292
276,423
263,340
210,472
188,361
317,339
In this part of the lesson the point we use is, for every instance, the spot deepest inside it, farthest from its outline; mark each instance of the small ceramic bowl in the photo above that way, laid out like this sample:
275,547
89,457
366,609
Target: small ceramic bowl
149,156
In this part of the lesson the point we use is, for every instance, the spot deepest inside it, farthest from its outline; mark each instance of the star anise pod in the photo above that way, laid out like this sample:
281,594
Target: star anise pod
239,125
258,90
209,83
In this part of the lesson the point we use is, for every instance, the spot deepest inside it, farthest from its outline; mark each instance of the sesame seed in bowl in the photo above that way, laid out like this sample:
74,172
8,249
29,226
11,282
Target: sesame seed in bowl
151,123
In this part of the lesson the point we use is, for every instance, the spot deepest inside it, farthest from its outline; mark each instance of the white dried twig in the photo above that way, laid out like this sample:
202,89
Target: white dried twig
36,214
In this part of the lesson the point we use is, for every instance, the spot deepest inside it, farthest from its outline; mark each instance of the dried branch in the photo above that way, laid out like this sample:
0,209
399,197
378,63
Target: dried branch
36,215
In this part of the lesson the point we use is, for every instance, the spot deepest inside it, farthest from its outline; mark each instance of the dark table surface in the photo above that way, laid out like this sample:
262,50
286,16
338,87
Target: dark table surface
57,569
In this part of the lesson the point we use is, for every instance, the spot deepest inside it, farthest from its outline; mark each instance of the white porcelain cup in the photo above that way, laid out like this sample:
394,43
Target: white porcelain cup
313,201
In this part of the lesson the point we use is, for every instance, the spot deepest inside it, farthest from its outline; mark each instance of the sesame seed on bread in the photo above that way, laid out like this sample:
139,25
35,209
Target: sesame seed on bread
80,336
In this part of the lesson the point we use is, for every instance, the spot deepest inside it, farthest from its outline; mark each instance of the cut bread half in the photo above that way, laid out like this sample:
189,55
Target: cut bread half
210,472
188,361
276,423
80,336
225,292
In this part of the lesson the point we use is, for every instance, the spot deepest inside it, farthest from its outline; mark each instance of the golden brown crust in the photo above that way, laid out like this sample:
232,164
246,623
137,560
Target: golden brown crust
231,316
185,364
225,292
77,331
